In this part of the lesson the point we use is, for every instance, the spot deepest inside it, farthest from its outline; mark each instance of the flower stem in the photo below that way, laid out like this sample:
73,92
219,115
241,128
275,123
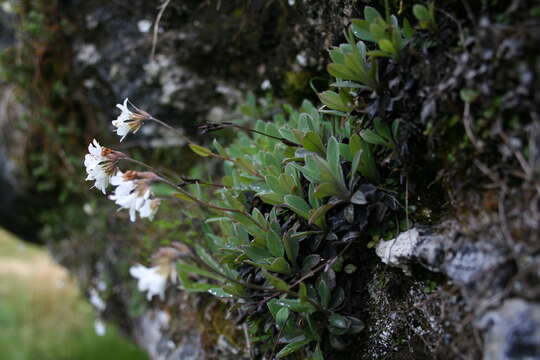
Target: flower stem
176,131
189,142
208,205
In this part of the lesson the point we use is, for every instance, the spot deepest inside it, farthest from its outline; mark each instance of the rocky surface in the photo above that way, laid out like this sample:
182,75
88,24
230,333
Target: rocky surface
484,269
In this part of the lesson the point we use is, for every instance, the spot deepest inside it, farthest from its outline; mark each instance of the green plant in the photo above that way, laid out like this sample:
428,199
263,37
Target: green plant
425,15
296,195
350,64
384,31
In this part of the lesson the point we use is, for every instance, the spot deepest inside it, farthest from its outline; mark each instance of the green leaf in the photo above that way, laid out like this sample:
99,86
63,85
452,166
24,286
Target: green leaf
275,281
370,14
298,205
274,244
334,101
318,216
367,162
395,129
310,262
258,255
291,247
280,265
333,156
259,218
360,29
354,167
383,129
324,292
338,321
386,45
296,305
338,296
312,142
468,95
219,292
326,189
221,151
408,30
359,198
282,316
191,269
342,71
296,344
193,286
421,12
274,185
183,197
317,355
372,137
271,198
273,307
200,150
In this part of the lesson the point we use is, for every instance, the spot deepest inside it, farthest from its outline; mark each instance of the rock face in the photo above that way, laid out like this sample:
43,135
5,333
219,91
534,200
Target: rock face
512,331
206,54
483,267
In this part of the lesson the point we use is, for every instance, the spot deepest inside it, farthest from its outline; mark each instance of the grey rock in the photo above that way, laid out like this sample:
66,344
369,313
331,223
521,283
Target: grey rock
512,332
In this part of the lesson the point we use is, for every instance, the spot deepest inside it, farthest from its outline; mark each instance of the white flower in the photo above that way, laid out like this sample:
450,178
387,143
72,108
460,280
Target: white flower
144,25
134,194
149,209
100,163
128,120
152,280
99,328
96,300
266,85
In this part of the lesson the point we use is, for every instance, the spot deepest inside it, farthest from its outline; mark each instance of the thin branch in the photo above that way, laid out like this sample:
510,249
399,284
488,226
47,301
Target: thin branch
156,27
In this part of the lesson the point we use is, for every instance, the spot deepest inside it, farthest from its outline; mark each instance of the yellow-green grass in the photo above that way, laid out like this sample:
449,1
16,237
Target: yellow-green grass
43,315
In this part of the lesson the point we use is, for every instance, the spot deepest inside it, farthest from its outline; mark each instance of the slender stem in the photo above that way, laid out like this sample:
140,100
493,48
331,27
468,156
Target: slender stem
198,181
283,140
178,132
313,272
189,142
151,168
206,204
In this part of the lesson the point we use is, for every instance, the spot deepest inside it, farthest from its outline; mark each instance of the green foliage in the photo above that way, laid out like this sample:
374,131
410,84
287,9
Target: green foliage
352,67
282,181
390,38
425,16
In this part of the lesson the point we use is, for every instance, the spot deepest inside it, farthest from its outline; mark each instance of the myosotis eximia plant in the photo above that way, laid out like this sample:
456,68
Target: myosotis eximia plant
298,193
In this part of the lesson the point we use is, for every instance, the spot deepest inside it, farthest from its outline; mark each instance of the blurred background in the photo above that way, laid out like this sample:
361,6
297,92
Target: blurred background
64,64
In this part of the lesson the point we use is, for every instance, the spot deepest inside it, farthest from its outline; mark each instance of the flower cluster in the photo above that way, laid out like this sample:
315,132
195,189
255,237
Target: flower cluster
101,164
134,192
129,121
133,188
153,280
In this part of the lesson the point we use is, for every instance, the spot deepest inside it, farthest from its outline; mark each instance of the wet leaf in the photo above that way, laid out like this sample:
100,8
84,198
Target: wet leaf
359,198
282,316
275,281
274,244
310,262
297,344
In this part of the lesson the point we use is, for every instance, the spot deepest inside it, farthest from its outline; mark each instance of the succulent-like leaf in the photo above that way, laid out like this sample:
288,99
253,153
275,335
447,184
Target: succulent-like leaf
297,344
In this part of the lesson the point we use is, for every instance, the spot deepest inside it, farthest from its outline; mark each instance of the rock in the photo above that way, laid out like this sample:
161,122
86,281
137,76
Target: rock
512,331
152,335
459,257
399,251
